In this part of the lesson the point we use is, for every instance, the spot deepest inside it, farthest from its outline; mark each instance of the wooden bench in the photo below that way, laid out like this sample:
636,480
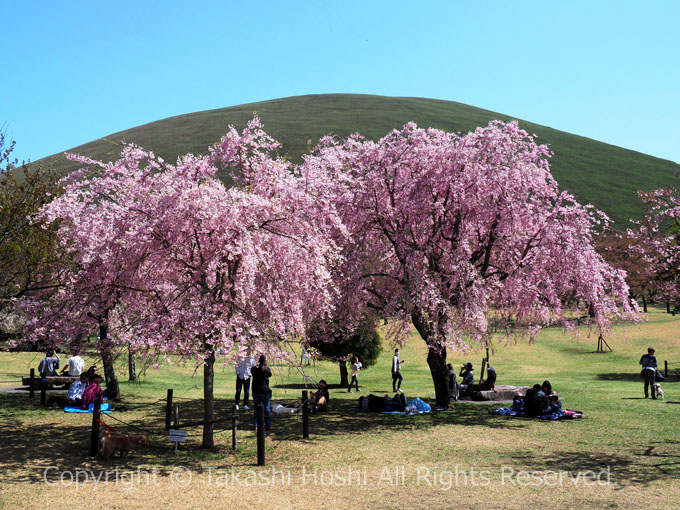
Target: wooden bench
65,380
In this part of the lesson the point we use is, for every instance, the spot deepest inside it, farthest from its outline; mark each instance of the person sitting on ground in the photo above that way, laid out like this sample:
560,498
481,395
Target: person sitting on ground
76,390
74,366
535,401
376,404
49,364
554,403
93,392
468,375
547,387
488,384
518,403
318,401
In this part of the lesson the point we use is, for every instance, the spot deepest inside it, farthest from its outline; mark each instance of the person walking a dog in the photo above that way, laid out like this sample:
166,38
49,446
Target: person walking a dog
649,364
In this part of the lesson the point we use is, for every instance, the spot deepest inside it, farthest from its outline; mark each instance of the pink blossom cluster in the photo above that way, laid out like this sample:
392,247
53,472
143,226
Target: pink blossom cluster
435,229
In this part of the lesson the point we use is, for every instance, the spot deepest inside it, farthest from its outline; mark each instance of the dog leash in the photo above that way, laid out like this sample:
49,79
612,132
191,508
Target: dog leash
107,427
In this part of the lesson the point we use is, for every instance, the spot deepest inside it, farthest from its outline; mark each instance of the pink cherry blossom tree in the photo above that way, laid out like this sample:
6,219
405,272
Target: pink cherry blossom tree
656,241
176,263
448,232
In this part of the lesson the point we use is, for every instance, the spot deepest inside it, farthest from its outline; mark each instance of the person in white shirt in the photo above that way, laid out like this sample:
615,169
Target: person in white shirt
74,365
76,390
356,366
396,372
243,372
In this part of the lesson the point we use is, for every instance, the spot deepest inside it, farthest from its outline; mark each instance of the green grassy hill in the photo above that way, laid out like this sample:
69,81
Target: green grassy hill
597,173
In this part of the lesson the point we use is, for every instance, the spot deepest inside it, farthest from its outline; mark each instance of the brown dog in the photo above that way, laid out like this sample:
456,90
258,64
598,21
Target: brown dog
110,444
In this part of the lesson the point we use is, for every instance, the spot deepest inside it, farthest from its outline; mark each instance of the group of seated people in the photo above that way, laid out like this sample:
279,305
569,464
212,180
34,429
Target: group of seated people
539,400
467,386
83,392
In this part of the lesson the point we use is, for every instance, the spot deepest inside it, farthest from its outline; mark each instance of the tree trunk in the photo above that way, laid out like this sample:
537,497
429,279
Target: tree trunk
208,400
112,389
436,359
344,380
132,366
644,304
668,307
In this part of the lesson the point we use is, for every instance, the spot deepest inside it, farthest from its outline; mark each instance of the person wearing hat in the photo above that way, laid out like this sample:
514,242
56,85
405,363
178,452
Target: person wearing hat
489,384
468,380
92,392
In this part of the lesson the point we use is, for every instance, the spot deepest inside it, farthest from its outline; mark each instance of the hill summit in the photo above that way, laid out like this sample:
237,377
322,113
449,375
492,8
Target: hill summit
601,174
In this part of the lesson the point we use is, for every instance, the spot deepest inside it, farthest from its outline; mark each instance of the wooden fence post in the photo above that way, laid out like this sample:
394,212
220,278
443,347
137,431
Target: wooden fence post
305,416
31,388
168,409
94,436
43,388
260,434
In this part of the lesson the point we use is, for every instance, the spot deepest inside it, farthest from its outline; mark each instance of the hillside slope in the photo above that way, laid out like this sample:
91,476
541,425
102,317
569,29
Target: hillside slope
597,173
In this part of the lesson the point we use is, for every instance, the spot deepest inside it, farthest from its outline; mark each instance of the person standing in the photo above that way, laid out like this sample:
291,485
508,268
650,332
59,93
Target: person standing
356,366
648,362
261,392
396,372
243,373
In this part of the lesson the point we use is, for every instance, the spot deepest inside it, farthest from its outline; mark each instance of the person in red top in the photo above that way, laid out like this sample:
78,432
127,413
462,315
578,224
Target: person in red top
92,392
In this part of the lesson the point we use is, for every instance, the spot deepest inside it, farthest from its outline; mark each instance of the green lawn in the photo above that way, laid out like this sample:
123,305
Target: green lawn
463,457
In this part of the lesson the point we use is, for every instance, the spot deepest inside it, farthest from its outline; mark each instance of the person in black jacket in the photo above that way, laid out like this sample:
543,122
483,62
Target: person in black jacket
649,365
535,401
261,392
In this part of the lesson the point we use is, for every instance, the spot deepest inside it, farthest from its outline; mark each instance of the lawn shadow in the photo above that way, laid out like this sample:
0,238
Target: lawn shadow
631,377
38,438
658,461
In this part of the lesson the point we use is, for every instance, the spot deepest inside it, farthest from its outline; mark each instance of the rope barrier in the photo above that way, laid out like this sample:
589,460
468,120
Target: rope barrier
135,426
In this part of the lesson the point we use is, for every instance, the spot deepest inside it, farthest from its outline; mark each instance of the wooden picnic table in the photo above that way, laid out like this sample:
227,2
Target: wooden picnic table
55,381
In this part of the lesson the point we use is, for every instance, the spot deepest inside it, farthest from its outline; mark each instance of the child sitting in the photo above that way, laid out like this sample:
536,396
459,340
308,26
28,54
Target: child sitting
76,390
93,392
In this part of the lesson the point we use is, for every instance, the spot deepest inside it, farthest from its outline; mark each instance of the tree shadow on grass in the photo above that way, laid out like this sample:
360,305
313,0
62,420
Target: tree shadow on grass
39,439
658,461
630,377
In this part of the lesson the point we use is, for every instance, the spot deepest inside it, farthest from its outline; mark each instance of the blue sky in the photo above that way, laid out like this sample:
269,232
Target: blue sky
76,71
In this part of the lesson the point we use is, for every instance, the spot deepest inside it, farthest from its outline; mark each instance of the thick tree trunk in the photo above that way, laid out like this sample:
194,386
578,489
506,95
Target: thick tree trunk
644,304
436,360
208,401
344,380
112,389
132,366
668,307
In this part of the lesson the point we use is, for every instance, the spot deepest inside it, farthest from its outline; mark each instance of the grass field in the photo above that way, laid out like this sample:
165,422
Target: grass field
462,458
604,175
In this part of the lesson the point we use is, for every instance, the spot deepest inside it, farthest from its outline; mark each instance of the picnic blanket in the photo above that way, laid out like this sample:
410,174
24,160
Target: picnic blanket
105,408
568,414
415,406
